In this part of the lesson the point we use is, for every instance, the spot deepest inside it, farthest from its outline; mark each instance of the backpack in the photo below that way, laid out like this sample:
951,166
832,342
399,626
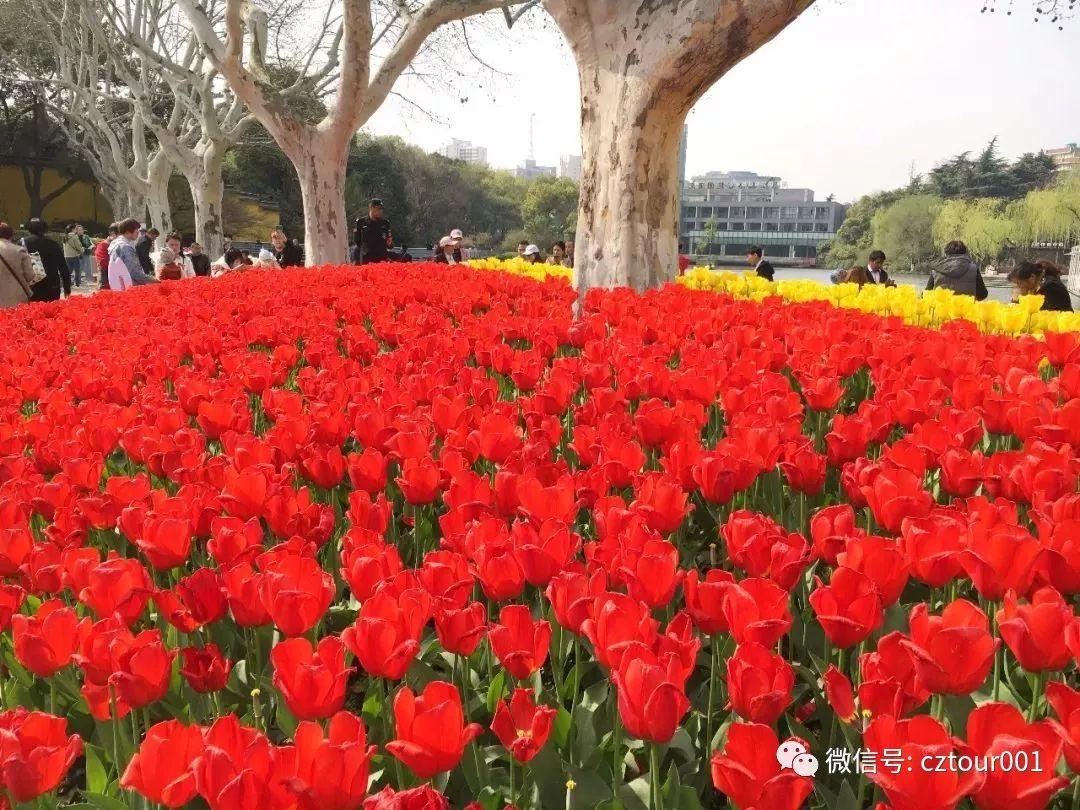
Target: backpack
39,268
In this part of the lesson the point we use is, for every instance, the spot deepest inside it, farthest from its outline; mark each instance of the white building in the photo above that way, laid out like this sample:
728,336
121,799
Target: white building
466,151
570,167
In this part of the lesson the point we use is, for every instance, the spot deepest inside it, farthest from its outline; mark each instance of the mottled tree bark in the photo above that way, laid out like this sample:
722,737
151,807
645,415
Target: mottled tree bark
642,65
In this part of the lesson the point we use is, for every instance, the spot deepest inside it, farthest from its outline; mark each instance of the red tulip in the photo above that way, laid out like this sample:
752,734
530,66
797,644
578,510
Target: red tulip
367,470
652,575
932,546
1066,704
420,481
386,635
312,681
545,552
890,682
164,541
839,693
205,668
705,599
296,593
332,770
1036,632
953,652
572,595
848,608
651,695
913,787
143,670
997,729
45,642
237,769
431,734
461,631
35,752
662,501
11,599
762,548
521,726
241,585
961,472
759,683
424,797
830,529
616,621
520,644
161,769
747,772
757,610
117,587
804,468
895,494
882,561
499,571
1000,556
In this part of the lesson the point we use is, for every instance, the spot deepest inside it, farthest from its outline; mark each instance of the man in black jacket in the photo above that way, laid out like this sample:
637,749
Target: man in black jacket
876,269
144,246
52,257
373,236
764,269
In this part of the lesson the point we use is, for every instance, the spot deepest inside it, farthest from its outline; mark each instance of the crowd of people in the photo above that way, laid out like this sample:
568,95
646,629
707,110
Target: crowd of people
39,268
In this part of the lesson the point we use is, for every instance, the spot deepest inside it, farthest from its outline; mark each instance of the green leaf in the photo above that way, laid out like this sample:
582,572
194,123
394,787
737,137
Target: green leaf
845,799
100,802
286,721
589,789
495,691
96,777
561,727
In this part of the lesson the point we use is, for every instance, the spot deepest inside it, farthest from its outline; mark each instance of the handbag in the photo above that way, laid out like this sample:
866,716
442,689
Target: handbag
25,289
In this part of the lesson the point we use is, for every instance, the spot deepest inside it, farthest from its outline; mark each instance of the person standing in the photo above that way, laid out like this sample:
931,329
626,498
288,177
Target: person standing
756,259
144,246
52,259
87,264
200,262
875,268
462,253
286,252
569,260
558,253
531,254
374,237
73,253
125,268
16,270
522,247
957,272
101,258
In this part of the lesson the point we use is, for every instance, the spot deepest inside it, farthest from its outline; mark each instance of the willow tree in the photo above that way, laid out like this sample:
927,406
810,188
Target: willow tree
357,55
642,65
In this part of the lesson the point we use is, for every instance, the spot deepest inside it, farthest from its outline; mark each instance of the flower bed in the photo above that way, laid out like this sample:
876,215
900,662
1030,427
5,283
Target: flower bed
932,308
410,536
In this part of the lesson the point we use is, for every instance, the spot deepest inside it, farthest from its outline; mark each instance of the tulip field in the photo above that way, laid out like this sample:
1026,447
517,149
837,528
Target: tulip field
410,536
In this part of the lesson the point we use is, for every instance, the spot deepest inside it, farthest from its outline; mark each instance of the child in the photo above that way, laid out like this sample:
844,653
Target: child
168,269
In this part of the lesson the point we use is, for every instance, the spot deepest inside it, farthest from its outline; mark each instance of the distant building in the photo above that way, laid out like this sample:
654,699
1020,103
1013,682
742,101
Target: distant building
1066,157
530,171
570,167
725,213
466,151
683,142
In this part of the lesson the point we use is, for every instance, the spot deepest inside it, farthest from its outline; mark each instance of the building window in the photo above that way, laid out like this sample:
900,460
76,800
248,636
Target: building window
822,227
772,226
789,212
737,212
689,211
806,213
753,226
771,213
806,227
736,226
823,213
722,212
754,212
721,226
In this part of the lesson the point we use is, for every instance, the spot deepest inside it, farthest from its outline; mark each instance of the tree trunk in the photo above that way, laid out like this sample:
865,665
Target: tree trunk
642,66
157,196
320,163
628,215
204,176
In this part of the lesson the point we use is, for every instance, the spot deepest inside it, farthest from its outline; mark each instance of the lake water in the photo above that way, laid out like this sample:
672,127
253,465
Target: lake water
917,280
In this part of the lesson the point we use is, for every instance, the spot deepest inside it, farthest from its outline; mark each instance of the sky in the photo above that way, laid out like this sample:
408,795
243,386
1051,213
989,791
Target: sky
845,101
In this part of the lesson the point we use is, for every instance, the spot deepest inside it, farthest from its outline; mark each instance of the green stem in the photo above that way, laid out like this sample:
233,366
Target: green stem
654,778
712,695
616,768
